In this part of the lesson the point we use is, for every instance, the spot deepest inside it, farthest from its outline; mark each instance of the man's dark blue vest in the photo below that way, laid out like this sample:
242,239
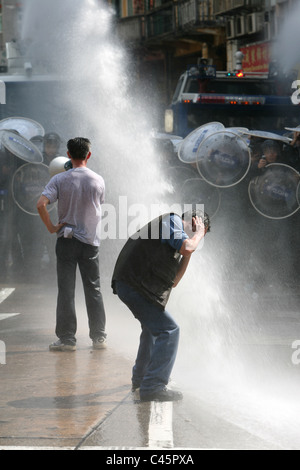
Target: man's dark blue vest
147,264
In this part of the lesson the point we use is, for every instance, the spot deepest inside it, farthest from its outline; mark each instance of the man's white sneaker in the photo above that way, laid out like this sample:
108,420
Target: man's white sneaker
99,343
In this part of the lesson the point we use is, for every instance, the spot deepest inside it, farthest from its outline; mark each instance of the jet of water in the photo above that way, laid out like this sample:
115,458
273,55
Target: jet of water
76,41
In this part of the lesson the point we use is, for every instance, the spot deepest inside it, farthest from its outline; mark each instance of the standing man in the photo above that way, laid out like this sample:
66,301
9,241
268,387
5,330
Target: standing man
150,264
80,193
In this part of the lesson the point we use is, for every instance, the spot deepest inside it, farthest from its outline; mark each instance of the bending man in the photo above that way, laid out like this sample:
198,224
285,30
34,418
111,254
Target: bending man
150,264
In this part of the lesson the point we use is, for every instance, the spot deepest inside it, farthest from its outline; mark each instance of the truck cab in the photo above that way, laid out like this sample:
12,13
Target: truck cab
236,99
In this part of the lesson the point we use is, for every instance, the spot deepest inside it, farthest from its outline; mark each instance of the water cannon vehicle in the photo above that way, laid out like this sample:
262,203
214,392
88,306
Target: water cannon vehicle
263,101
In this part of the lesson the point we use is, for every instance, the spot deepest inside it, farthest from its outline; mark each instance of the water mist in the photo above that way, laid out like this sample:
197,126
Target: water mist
239,308
81,48
286,50
75,41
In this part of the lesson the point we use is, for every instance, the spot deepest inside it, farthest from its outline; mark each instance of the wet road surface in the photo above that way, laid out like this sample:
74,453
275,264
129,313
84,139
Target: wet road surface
82,399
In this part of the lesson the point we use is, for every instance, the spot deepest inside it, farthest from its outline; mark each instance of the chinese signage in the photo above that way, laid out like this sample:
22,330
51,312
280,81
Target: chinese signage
256,57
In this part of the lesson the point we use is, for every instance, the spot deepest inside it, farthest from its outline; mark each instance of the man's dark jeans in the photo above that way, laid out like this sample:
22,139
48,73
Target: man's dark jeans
158,342
71,253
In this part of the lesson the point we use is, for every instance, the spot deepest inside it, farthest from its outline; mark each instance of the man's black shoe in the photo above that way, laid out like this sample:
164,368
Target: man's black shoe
162,395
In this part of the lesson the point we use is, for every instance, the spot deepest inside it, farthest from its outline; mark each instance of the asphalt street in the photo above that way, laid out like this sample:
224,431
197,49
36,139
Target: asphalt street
82,400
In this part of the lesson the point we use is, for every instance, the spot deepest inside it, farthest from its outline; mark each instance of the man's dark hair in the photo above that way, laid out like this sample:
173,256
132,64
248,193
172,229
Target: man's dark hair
79,147
199,213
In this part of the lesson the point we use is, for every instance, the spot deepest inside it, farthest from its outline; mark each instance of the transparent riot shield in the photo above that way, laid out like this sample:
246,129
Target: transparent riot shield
21,147
27,185
27,128
177,175
187,151
197,191
223,159
275,194
268,136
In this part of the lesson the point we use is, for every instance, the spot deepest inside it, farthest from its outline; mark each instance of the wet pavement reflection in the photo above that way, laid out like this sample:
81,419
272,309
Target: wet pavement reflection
82,399
53,398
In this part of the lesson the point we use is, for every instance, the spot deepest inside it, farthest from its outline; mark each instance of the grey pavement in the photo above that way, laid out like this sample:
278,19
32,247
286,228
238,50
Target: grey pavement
82,400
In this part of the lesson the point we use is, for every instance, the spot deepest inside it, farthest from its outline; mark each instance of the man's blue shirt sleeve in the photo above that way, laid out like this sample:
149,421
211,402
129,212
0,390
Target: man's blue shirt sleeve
172,231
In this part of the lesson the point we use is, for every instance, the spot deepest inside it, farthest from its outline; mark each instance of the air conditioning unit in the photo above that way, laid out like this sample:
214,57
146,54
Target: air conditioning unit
240,26
230,29
255,22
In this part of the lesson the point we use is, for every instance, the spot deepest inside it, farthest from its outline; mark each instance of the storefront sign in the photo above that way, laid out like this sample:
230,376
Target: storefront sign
256,57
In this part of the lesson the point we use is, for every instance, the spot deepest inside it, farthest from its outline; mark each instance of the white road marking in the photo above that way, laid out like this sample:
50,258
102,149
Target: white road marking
160,425
4,293
160,433
3,316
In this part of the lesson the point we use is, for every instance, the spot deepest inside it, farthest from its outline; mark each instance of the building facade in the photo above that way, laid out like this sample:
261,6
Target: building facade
167,36
10,18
